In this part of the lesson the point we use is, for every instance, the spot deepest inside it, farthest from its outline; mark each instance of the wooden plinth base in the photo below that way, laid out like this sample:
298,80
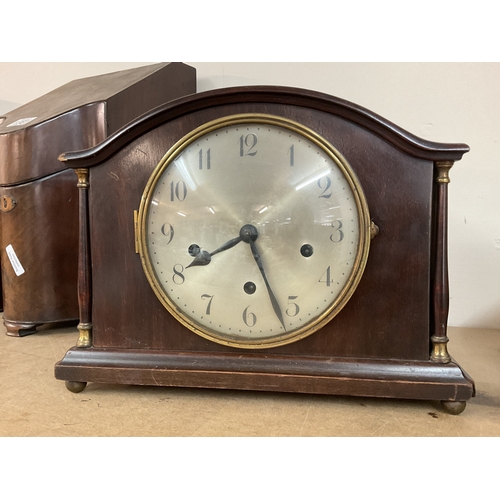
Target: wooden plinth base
313,375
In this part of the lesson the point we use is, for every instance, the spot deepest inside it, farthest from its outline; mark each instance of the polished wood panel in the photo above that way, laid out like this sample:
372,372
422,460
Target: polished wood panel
47,289
396,295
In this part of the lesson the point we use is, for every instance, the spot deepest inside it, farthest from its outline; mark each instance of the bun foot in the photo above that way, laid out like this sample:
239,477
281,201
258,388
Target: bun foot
75,386
20,329
453,407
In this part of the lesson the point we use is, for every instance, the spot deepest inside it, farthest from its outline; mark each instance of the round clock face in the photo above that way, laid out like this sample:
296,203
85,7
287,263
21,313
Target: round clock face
253,231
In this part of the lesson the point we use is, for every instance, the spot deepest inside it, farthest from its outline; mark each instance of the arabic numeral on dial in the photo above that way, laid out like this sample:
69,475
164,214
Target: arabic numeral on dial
326,277
338,235
325,184
178,277
178,191
294,308
209,305
249,318
168,231
247,144
204,159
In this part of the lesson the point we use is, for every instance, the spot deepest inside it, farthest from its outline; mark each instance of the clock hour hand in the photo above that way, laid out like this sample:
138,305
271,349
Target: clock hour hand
204,258
249,235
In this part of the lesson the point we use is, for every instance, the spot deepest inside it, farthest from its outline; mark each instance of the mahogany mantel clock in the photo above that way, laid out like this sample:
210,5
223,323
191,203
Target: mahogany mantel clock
266,238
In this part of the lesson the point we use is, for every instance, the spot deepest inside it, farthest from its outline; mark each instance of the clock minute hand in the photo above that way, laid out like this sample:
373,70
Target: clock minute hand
204,258
250,238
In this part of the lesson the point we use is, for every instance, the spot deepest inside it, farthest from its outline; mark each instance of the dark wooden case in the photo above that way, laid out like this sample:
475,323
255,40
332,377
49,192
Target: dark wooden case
38,193
389,340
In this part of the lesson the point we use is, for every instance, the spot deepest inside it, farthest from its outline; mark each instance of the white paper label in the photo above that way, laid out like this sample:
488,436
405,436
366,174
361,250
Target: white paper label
22,121
16,265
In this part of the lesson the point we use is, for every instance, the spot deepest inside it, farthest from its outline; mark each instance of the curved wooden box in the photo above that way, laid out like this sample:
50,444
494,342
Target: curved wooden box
42,226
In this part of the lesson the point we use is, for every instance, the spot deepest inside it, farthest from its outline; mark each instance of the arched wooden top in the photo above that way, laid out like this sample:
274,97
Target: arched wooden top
381,127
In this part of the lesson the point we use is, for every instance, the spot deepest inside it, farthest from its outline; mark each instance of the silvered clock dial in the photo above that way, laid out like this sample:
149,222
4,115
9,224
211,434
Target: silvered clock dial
253,231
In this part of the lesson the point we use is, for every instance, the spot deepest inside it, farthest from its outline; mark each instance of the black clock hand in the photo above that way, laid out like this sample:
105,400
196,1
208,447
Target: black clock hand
274,302
228,245
249,234
204,258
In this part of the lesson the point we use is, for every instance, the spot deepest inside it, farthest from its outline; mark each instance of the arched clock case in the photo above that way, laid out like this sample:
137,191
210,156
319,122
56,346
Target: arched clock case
266,238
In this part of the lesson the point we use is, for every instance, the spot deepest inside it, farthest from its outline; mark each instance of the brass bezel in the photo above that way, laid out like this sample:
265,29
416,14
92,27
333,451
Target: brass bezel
364,230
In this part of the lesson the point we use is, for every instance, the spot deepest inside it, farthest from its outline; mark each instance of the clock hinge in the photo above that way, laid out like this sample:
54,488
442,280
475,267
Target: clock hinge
136,231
